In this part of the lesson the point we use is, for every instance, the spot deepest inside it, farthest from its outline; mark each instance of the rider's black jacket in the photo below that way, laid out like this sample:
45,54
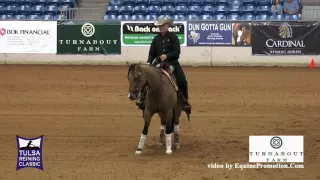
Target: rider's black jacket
165,44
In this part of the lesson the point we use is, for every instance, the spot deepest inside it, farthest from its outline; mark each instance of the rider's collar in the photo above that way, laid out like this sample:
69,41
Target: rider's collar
166,34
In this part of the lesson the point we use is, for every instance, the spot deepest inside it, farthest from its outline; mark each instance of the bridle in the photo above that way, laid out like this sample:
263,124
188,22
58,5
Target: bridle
137,80
136,77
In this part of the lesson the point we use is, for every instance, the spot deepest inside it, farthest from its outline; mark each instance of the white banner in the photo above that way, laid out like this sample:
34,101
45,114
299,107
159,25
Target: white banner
141,33
276,149
28,37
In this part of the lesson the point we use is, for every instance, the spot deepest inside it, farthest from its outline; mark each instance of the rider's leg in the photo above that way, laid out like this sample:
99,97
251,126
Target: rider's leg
183,85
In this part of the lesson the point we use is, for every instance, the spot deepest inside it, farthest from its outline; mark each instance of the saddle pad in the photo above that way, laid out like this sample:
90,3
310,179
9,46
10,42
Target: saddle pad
173,82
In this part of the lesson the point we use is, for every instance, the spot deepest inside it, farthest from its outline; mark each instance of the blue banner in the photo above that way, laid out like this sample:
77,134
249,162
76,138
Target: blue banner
208,33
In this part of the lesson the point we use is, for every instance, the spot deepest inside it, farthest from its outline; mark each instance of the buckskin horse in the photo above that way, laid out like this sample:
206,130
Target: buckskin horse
162,98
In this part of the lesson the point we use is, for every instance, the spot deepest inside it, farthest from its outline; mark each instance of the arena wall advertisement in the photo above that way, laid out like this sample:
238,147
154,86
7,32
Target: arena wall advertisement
141,33
28,37
88,38
37,42
212,33
285,38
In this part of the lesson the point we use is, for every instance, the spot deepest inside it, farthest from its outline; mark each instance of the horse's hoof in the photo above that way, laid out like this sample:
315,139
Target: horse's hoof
169,152
177,146
138,151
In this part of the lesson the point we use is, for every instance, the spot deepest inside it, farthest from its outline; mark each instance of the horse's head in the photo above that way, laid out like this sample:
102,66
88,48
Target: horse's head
136,80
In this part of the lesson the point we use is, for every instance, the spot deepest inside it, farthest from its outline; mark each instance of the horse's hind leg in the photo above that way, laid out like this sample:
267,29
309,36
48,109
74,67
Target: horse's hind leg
176,119
147,119
162,129
176,136
162,136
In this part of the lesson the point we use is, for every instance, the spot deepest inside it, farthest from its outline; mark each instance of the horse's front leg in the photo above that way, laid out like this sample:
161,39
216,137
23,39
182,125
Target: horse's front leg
147,119
168,131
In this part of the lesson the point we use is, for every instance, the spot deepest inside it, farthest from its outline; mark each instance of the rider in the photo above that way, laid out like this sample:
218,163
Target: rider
166,47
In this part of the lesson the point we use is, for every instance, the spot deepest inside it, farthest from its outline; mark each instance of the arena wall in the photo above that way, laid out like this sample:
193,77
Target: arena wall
190,56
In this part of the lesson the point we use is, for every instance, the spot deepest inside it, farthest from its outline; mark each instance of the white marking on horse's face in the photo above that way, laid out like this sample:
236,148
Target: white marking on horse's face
128,95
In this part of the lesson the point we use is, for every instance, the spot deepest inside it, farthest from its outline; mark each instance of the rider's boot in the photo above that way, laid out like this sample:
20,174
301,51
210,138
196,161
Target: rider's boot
186,106
185,103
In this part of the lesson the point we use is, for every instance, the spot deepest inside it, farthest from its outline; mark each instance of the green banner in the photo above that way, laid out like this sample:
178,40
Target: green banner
88,38
141,33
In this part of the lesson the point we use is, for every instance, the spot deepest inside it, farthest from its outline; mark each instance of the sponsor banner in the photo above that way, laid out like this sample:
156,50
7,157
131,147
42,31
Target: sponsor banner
88,38
276,149
208,33
141,33
28,37
285,38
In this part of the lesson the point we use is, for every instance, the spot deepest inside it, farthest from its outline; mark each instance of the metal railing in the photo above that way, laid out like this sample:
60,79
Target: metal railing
308,13
83,13
311,13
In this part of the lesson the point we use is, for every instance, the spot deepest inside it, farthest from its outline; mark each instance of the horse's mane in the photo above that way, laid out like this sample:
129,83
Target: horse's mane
133,66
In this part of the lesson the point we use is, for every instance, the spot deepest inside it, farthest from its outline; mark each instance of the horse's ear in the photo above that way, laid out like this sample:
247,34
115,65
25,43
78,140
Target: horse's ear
128,63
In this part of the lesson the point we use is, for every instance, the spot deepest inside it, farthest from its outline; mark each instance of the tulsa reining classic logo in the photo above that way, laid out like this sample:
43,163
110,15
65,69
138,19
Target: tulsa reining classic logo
29,152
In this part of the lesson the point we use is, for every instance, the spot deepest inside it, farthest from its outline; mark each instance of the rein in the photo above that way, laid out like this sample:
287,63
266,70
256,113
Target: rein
144,88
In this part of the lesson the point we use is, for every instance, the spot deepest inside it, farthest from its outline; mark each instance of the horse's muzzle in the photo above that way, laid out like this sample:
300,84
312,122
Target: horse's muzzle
132,96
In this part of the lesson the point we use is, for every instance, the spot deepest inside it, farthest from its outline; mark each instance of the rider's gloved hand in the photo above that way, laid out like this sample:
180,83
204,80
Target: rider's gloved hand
171,68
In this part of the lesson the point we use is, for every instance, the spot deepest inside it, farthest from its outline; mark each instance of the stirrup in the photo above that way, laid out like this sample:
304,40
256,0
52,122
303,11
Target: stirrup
187,111
186,106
